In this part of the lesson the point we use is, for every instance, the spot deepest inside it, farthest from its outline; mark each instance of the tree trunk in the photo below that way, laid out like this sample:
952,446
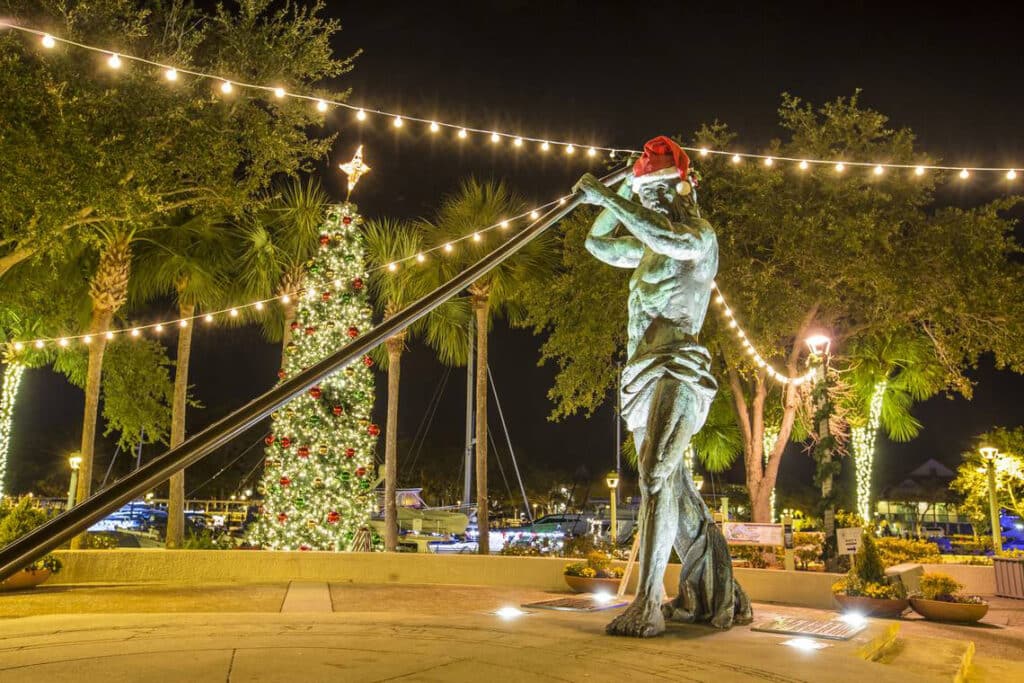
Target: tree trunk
481,307
761,503
98,326
179,407
286,333
394,346
12,378
108,291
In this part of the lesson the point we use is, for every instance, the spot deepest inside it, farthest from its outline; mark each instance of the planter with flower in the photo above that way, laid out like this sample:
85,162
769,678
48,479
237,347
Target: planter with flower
18,517
595,575
865,589
940,599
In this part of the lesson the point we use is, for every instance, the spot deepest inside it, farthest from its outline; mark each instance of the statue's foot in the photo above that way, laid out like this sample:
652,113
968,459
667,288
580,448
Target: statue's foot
679,608
642,619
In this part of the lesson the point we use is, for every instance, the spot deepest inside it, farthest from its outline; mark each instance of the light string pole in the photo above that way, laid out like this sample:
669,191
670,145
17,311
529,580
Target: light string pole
989,455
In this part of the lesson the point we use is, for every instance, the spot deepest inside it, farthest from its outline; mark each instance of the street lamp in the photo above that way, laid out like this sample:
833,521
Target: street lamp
819,344
612,479
989,455
75,461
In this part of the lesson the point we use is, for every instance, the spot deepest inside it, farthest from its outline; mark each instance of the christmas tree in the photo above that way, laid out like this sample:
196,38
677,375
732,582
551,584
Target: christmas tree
318,474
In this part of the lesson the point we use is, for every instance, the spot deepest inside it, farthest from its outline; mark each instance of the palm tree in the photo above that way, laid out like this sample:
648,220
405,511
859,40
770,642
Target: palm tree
887,374
187,259
276,245
108,292
478,205
387,243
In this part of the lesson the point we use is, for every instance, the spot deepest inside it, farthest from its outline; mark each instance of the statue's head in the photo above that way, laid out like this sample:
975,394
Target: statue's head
661,177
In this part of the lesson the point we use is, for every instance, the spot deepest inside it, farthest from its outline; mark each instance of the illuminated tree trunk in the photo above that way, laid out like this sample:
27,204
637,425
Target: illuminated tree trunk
770,438
864,439
395,346
12,380
108,291
179,407
481,307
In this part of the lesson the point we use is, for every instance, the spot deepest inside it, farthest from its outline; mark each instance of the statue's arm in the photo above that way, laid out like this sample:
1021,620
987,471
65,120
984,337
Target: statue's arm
607,243
683,240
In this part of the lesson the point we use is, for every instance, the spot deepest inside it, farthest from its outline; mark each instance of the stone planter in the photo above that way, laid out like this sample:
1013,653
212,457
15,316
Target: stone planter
940,610
583,584
873,607
26,578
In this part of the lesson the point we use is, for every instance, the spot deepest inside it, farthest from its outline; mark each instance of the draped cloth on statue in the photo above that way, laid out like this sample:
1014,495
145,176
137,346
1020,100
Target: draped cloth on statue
685,362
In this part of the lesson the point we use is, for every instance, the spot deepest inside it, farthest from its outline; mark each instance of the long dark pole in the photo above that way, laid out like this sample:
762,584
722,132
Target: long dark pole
48,536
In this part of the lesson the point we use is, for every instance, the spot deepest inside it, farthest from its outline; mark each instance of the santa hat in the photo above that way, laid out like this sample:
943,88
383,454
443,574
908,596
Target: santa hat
662,160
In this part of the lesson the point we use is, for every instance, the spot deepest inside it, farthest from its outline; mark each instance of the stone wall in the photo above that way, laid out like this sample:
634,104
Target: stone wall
807,589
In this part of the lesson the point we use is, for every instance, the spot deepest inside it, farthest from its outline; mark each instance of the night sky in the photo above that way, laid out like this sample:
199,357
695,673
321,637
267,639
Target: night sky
609,75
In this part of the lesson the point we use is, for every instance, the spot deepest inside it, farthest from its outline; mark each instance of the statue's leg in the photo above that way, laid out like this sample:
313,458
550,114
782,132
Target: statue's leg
659,456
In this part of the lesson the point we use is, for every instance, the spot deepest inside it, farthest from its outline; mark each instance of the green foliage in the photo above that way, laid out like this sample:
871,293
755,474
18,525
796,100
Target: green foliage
207,540
972,477
867,563
893,551
17,518
137,389
597,565
158,148
936,586
963,544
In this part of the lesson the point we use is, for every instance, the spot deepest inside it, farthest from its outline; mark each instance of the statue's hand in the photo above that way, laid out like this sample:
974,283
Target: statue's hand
593,191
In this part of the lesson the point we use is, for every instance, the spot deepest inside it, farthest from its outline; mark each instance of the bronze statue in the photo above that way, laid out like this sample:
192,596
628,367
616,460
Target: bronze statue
667,386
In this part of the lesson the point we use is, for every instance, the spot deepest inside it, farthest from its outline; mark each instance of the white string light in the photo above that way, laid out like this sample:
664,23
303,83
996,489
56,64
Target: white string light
756,357
864,439
115,60
286,298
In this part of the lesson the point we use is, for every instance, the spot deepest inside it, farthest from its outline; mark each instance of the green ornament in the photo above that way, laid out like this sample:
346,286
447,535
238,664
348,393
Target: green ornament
300,503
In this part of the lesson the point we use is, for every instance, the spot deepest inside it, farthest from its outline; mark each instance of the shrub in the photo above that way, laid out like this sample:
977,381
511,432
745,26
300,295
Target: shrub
936,586
895,551
867,563
962,544
597,565
867,576
205,540
753,555
17,518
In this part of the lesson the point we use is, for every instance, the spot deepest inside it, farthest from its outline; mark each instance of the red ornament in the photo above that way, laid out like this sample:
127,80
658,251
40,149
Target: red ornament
337,410
294,325
303,452
310,330
286,442
367,361
357,283
373,430
325,240
281,374
282,517
361,472
333,517
316,392
350,452
346,220
285,481
305,547
353,332
326,296
269,439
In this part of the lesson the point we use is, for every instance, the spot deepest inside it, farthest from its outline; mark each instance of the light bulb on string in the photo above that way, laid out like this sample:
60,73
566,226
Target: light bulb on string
86,339
39,343
463,133
225,87
545,146
321,106
258,305
279,93
136,332
919,170
504,224
494,137
476,237
420,257
158,328
233,312
208,318
392,266
361,115
18,346
397,122
964,174
769,161
1011,174
183,323
63,342
518,142
704,151
448,246
569,149
736,158
534,215
109,335
171,75
803,165
434,127
114,61
285,299
591,152
879,170
840,167
48,41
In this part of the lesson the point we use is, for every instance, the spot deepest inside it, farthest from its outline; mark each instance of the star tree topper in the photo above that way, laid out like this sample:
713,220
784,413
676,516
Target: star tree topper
354,170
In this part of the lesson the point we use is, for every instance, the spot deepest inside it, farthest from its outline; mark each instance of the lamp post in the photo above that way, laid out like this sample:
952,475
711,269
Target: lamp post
75,461
612,479
989,455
